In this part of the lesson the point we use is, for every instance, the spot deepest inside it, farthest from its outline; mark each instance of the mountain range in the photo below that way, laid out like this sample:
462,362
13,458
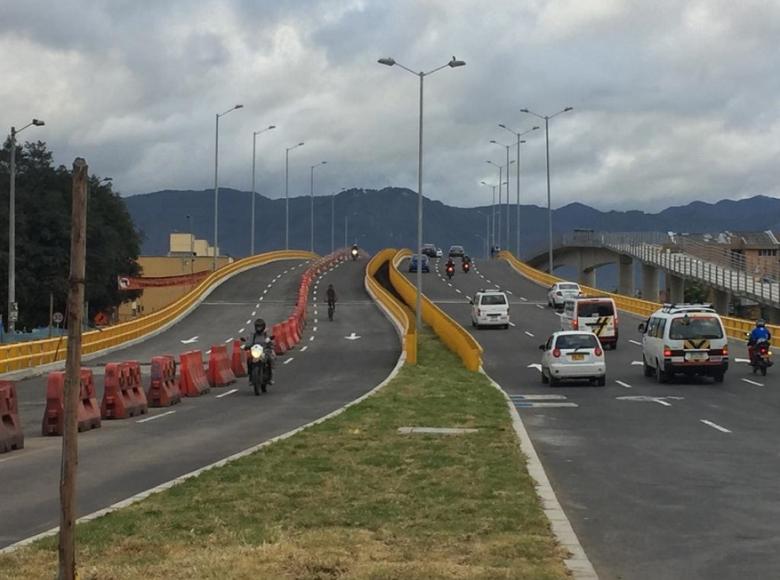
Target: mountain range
377,219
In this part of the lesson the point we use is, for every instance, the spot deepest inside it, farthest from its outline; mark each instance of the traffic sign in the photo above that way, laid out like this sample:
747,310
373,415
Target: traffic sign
58,318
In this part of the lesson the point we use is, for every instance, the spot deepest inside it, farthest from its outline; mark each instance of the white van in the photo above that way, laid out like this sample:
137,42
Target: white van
684,338
489,308
598,315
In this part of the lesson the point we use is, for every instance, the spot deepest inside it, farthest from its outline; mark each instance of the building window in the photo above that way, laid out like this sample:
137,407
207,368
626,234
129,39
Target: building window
767,252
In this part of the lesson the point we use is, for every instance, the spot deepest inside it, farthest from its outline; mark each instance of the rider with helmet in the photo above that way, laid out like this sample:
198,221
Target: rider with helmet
758,334
260,337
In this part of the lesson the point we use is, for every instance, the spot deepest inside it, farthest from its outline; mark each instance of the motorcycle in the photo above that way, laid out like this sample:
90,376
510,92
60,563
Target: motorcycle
354,253
450,271
466,267
760,357
259,361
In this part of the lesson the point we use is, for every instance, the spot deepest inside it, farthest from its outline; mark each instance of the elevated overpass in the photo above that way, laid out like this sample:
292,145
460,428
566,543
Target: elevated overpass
726,274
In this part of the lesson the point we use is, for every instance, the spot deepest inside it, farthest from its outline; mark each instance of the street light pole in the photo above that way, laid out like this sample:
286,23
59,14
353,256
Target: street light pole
519,135
12,307
492,216
311,194
549,204
287,194
497,229
216,181
454,63
254,194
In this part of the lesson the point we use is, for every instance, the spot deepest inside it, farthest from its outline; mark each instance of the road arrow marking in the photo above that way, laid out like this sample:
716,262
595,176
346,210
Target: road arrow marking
189,340
536,366
352,336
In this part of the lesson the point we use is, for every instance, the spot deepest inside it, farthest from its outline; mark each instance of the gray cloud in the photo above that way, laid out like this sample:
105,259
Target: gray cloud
673,101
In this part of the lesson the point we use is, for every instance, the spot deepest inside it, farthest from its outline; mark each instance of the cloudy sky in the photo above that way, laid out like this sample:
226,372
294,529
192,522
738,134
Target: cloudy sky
673,101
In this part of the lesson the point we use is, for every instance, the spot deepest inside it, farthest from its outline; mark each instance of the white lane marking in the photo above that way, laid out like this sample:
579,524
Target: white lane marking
509,292
622,384
208,351
316,321
265,292
249,321
286,271
637,363
662,402
314,299
230,392
189,340
524,299
636,342
289,360
742,360
540,397
315,291
156,417
531,334
241,331
488,281
458,291
753,383
304,348
715,426
540,307
231,339
311,338
254,312
536,366
512,324
257,305
314,329
260,299
449,284
271,284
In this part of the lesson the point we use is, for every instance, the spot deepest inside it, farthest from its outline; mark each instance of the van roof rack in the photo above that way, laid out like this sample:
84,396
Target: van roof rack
688,307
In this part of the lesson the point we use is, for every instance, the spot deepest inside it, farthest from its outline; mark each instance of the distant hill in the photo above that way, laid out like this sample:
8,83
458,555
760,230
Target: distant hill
387,217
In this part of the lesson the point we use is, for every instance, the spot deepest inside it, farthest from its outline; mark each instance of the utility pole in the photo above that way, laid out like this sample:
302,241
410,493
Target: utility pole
78,247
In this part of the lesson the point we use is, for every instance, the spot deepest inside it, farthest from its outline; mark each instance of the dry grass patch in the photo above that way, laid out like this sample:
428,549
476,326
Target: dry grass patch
350,498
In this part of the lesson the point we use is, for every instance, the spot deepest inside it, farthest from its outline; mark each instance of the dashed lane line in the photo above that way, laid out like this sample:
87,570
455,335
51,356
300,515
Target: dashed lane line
754,383
636,342
241,331
249,321
314,329
231,339
531,334
622,384
304,348
540,307
155,417
715,426
311,338
230,392
289,360
512,324
524,299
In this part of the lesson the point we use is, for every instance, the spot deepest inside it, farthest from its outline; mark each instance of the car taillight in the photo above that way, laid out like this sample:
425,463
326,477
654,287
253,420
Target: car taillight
598,352
725,351
575,324
556,353
667,351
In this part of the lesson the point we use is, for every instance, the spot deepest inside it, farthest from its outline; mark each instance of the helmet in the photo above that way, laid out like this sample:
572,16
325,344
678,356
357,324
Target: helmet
760,323
259,325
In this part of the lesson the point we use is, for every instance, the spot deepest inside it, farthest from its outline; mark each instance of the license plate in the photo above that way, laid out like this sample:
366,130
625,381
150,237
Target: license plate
577,356
494,315
696,356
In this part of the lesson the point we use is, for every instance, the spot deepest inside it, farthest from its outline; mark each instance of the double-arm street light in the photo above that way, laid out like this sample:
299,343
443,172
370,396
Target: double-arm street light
453,63
311,194
507,147
492,216
13,310
549,205
287,194
520,141
252,219
216,181
497,214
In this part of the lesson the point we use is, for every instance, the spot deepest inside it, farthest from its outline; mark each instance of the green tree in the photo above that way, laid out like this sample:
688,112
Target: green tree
43,207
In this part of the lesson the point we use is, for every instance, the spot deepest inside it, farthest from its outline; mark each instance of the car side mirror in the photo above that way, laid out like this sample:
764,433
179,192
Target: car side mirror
642,327
542,347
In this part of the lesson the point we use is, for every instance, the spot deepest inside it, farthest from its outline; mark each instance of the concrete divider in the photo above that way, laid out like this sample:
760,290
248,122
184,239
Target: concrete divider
452,334
735,327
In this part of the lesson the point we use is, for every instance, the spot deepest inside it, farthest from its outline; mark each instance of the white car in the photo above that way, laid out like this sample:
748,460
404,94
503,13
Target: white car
560,292
489,308
575,355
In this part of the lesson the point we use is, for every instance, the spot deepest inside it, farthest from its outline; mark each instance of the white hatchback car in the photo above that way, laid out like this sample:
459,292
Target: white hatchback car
573,354
562,291
489,308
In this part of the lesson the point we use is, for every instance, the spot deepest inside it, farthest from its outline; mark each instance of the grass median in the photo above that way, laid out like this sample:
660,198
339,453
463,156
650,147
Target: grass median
349,498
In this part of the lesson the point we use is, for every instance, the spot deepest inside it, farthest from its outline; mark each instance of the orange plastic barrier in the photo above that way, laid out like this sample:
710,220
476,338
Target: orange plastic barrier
117,400
276,332
136,386
88,411
11,436
163,390
220,373
193,381
238,361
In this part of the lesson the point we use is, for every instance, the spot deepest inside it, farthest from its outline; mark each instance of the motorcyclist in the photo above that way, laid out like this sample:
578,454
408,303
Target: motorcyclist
759,333
354,252
466,259
450,266
259,337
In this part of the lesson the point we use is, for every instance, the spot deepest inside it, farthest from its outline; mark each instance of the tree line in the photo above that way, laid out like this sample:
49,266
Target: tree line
43,209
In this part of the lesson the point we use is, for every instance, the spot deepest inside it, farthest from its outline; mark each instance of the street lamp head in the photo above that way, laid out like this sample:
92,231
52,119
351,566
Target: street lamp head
239,107
324,163
502,125
535,128
271,127
494,141
524,111
567,109
300,144
522,140
454,63
386,61
38,123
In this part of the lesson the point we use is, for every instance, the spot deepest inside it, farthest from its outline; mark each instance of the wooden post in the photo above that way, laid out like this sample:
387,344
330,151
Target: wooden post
78,246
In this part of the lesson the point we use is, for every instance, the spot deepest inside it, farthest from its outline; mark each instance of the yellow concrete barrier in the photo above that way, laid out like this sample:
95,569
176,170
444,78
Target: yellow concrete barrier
397,309
452,334
20,356
735,327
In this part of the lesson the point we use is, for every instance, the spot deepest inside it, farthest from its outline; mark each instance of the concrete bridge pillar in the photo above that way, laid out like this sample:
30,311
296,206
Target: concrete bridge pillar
720,300
626,276
588,277
649,282
676,285
772,315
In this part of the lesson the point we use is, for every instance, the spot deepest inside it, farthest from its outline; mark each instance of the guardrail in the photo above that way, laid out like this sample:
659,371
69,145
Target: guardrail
735,327
452,334
21,356
402,316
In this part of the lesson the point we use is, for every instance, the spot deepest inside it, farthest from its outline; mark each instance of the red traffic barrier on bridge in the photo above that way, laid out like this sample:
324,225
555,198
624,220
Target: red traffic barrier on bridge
11,435
220,373
137,386
163,390
88,411
193,381
238,360
123,393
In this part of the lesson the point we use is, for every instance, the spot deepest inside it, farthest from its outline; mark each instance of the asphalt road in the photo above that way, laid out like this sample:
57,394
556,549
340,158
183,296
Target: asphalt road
126,457
650,488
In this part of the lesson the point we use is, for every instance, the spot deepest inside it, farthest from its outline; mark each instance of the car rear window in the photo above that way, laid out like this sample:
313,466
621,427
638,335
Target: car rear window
569,287
568,341
689,327
493,299
593,309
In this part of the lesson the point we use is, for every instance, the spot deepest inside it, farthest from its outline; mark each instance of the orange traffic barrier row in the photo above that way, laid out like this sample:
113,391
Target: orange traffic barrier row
193,381
11,436
88,411
220,371
123,393
238,360
164,388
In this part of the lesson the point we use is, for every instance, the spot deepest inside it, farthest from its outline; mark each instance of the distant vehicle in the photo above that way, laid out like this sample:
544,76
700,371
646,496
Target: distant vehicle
489,308
415,260
560,291
439,252
429,250
573,355
684,339
456,252
598,315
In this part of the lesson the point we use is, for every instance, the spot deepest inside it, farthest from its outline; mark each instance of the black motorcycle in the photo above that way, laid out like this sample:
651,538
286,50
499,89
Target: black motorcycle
761,357
354,254
259,364
450,271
